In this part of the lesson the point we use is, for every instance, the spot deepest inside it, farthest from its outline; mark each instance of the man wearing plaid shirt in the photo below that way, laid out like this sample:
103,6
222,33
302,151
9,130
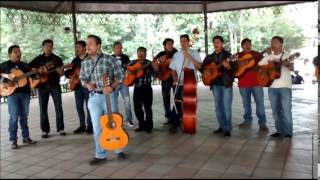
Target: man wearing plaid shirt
92,68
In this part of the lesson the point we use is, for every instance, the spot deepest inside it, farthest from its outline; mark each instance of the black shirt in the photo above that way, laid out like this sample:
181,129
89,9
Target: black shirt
8,66
41,60
124,59
76,64
227,77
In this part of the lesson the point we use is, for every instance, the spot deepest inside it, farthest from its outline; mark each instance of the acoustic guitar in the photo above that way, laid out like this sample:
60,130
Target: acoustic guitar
133,72
112,136
74,82
164,70
271,71
7,86
43,77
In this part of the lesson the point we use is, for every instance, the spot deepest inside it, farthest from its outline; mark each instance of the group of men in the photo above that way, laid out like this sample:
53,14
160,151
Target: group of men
93,63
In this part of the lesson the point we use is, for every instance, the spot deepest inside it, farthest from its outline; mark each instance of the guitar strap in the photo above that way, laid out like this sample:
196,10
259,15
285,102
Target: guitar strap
95,65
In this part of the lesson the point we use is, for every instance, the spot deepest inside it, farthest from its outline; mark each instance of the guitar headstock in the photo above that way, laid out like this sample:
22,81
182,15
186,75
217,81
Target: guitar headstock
294,56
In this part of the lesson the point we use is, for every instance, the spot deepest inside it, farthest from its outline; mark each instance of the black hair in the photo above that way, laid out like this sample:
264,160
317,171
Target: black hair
245,40
11,48
96,38
218,37
142,49
47,41
167,40
280,39
82,43
185,36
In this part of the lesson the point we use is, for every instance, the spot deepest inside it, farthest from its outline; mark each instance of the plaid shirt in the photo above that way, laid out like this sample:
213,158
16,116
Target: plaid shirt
148,72
106,63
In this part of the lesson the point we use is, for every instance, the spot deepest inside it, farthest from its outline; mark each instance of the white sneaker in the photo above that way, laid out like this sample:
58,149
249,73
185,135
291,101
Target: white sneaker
130,124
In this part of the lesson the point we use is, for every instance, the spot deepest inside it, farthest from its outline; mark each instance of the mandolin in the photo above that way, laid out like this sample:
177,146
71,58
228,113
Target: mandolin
133,72
43,77
271,71
112,136
7,86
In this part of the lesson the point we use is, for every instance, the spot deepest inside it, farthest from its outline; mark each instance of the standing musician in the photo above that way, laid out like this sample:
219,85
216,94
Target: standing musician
124,90
248,85
142,93
167,84
52,86
92,68
189,58
18,102
280,94
81,94
222,86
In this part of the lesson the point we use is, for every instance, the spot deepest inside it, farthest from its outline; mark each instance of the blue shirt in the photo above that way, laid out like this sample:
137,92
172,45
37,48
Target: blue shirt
177,63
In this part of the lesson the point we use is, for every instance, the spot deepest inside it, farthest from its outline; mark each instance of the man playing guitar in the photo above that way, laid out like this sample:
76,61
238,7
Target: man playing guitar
18,101
280,94
93,67
167,84
248,85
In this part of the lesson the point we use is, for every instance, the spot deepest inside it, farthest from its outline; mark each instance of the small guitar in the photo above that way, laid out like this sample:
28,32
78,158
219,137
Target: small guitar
271,71
74,82
7,86
43,77
134,71
164,70
112,136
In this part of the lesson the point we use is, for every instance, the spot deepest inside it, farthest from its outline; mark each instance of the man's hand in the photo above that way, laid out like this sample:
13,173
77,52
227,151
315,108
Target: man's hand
155,66
107,90
60,71
226,64
91,86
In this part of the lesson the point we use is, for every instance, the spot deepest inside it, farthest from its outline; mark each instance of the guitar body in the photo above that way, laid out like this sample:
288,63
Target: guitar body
134,71
164,71
75,82
267,74
34,82
245,62
316,72
209,73
8,87
189,101
112,138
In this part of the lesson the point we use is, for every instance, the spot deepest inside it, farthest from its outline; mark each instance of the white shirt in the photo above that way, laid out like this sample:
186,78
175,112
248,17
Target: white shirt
177,63
285,80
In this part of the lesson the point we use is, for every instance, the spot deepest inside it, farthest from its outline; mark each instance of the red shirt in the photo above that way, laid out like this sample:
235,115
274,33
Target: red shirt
249,77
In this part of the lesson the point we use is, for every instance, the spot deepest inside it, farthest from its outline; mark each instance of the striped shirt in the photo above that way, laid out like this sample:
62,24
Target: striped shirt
148,72
106,63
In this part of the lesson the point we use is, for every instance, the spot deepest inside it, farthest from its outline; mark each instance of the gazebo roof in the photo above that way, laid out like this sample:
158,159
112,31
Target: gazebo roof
139,7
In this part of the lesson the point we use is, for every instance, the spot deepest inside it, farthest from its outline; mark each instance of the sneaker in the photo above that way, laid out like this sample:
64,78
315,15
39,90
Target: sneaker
130,124
227,134
122,156
218,131
89,130
244,125
263,129
275,134
96,161
29,141
81,129
62,133
45,135
14,145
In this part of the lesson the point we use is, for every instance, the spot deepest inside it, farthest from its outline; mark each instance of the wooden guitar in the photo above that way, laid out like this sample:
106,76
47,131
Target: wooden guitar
74,82
7,86
134,71
43,77
112,136
164,70
271,71
246,62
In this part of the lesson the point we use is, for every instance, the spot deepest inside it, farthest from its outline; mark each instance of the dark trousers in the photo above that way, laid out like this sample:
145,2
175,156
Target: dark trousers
82,95
175,116
166,92
44,93
142,97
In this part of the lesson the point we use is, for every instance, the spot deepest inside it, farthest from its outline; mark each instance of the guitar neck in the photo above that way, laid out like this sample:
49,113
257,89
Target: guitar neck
109,110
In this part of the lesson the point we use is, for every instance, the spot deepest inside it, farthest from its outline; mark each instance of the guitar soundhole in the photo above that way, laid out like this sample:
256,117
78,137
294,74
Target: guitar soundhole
113,139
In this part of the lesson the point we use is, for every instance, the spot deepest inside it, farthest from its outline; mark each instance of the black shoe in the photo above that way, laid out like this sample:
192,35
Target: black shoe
29,141
227,134
45,135
62,133
122,156
275,134
81,129
96,161
89,130
138,129
288,136
14,145
173,130
218,131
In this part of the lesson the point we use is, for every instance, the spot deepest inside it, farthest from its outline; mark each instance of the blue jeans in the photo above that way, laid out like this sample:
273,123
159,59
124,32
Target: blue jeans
281,104
258,96
18,106
124,90
223,106
81,96
97,107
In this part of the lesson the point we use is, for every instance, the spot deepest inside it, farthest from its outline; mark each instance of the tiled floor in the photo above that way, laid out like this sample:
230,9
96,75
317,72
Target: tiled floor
247,154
